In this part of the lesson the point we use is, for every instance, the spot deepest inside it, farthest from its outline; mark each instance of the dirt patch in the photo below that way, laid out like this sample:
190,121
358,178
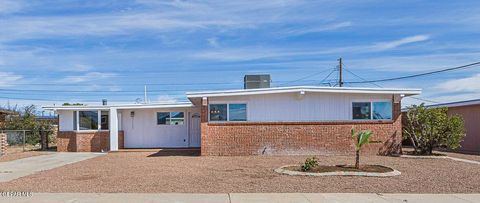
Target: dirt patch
140,172
338,168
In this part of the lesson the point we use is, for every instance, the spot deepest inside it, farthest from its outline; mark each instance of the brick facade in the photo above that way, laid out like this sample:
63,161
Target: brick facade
299,138
71,141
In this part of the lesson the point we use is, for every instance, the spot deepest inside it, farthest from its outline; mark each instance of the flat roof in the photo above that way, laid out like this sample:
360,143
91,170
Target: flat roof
122,106
241,92
457,103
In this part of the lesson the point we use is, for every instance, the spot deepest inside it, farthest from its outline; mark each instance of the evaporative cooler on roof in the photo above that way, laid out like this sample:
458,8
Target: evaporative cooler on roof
256,81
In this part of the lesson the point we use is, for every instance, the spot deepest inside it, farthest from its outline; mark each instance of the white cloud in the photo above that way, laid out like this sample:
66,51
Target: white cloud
396,43
10,6
166,99
320,28
90,76
9,79
213,42
158,17
469,84
253,53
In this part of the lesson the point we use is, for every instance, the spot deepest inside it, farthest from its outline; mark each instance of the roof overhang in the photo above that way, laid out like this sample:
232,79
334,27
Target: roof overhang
276,90
457,104
121,106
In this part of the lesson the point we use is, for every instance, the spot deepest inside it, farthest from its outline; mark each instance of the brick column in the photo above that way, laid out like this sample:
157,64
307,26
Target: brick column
204,110
3,144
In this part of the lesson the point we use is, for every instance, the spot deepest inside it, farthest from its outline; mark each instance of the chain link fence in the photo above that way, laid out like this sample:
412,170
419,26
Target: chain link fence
18,141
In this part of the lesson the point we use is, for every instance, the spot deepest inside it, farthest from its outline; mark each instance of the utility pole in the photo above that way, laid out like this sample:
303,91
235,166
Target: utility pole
340,81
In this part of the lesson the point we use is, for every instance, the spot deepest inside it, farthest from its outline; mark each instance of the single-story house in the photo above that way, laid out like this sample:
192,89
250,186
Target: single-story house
470,112
282,120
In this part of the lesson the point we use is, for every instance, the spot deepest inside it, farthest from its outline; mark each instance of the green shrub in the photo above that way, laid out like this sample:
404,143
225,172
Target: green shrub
428,128
309,164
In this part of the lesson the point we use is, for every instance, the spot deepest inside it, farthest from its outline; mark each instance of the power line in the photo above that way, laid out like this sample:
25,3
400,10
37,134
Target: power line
413,97
418,75
142,84
361,78
303,78
322,81
426,100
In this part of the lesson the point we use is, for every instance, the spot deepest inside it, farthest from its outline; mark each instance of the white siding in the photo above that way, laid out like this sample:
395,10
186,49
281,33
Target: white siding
142,131
65,120
294,107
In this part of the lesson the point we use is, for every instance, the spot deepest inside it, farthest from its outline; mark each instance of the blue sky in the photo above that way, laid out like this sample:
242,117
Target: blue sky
83,51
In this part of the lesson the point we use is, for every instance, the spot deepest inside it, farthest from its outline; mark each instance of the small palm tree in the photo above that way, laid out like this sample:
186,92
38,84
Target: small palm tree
361,139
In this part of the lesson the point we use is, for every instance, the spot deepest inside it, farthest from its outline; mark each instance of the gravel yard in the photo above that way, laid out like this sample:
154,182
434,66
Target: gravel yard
148,171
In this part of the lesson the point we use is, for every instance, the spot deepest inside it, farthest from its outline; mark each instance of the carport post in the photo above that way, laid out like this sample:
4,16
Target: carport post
113,129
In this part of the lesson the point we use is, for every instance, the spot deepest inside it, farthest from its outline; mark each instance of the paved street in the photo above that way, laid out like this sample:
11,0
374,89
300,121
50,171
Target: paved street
244,197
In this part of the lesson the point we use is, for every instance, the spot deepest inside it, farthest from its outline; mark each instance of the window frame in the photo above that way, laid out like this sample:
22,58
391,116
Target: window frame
167,120
371,109
228,110
99,118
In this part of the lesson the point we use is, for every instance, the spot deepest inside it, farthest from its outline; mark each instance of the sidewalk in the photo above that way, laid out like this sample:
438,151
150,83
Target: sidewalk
244,197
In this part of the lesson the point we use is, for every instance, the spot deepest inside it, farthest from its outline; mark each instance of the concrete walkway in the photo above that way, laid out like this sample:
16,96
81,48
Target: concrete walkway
244,197
22,167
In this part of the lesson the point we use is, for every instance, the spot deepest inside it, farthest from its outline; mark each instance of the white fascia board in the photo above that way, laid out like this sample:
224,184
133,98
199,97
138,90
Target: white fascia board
405,92
156,106
124,106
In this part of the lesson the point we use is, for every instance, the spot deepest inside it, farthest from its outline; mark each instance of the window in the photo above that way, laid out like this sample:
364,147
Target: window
176,118
104,120
228,112
382,110
361,110
218,112
88,120
237,112
74,120
162,118
170,118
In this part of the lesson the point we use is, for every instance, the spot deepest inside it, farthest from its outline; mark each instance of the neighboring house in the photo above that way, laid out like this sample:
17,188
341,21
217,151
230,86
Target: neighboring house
283,120
6,114
470,112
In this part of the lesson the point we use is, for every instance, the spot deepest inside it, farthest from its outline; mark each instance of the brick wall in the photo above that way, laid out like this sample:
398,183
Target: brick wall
71,141
299,138
3,144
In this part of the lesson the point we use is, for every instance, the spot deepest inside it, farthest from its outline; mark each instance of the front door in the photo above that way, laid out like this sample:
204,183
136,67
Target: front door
194,130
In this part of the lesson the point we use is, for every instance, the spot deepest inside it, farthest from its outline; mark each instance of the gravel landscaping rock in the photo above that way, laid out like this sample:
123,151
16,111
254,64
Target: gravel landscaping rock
144,172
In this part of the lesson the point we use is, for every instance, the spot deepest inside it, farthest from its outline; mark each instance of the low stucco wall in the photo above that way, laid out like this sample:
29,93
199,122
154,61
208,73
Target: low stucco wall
98,141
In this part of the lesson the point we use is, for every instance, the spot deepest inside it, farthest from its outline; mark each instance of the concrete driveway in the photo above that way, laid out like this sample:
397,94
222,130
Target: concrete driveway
11,170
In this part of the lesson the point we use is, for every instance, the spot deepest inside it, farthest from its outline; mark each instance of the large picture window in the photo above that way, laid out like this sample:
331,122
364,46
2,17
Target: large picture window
218,112
361,110
88,120
170,118
381,110
237,112
228,112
